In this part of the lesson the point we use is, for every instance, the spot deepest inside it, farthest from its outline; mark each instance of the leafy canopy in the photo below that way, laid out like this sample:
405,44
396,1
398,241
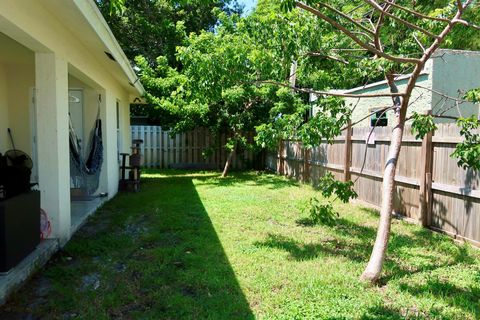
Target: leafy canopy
154,28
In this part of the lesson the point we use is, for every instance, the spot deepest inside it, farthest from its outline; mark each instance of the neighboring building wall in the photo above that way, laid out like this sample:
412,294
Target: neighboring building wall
420,100
449,72
455,72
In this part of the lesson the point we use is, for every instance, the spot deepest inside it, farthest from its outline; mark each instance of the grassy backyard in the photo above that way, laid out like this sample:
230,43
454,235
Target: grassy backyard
194,246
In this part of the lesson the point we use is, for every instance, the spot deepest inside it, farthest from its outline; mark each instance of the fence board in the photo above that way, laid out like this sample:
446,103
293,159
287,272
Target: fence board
455,192
160,150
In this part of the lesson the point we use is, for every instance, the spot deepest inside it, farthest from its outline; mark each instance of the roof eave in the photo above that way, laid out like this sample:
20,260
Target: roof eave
98,23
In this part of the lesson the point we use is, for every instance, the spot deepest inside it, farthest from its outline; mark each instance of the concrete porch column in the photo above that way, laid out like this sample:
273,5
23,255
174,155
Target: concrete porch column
51,82
109,175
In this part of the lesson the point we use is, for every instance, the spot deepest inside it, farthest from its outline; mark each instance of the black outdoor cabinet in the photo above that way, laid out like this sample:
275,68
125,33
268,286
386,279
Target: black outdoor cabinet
19,228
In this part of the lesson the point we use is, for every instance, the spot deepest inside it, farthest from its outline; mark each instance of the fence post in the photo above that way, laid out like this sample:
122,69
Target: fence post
280,162
348,152
306,164
425,193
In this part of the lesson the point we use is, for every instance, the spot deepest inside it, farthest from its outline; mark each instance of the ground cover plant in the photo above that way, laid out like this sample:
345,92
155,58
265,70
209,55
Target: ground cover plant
197,246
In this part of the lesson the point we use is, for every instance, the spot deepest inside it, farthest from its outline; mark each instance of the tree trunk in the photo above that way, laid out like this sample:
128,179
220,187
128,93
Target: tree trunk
228,163
374,268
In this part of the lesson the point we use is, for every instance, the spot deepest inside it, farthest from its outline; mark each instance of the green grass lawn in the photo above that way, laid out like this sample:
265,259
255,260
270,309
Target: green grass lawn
195,246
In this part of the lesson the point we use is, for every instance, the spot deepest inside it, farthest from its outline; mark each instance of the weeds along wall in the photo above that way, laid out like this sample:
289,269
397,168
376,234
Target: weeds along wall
430,188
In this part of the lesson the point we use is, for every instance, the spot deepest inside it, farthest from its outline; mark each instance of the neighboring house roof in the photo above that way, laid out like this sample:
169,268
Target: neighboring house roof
427,71
85,21
378,83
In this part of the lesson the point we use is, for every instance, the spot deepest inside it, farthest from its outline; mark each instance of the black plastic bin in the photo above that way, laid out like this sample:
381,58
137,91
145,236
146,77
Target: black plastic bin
19,228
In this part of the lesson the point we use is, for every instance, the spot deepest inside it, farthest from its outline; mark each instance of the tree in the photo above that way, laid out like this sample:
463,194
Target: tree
218,84
154,28
394,37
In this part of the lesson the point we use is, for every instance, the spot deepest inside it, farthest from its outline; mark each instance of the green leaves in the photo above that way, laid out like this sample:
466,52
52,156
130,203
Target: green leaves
287,5
153,28
320,213
468,152
422,124
332,115
473,95
324,213
117,7
329,186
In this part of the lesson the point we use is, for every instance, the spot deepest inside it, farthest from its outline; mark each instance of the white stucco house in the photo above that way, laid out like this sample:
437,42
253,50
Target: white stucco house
58,57
449,73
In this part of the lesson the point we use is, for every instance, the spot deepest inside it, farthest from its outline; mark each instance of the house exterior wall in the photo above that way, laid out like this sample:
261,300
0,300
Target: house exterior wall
3,108
454,72
16,82
45,28
20,80
52,35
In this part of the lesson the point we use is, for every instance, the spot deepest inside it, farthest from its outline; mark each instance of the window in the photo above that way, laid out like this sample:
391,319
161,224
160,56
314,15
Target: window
379,118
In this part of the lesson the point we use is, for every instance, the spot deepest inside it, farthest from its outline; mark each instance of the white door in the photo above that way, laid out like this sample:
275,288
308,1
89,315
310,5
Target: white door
75,109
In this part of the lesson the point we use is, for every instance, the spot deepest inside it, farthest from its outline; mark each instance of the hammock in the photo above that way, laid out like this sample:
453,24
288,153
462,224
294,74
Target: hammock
85,174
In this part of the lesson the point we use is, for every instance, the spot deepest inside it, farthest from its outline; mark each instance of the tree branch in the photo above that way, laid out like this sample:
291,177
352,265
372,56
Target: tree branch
438,117
441,94
415,13
468,24
319,54
419,43
348,33
340,13
377,7
334,94
377,41
459,5
438,41
444,117
397,102
366,143
367,116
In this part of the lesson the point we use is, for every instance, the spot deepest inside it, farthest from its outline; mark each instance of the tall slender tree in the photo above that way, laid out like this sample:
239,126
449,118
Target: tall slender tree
394,36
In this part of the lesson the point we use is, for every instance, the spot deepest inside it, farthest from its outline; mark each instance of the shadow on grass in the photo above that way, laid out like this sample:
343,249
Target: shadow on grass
152,254
407,255
192,274
467,298
384,312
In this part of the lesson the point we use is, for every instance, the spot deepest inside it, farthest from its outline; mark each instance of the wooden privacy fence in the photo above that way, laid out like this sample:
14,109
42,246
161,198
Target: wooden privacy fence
430,188
187,150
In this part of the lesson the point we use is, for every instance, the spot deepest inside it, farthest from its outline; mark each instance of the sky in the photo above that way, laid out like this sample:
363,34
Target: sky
249,5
